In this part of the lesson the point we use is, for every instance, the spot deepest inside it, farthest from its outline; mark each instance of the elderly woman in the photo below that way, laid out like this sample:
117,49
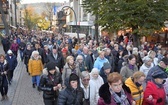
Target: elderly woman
100,60
80,63
135,84
69,68
35,68
154,93
115,92
130,68
147,65
96,78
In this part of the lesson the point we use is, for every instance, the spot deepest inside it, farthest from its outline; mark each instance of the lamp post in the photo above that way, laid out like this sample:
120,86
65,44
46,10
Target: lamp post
77,31
166,32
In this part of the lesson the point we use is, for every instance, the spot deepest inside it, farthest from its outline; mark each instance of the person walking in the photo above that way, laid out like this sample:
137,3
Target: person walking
4,67
50,83
73,93
12,61
35,67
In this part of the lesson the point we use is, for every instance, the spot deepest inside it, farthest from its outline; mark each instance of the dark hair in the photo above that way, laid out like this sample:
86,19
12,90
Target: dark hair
131,57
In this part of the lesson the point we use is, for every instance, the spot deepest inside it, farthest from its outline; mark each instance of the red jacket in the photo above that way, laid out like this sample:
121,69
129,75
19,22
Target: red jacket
156,92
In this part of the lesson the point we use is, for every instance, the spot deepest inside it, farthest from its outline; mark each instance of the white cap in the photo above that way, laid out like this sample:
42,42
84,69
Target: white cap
9,52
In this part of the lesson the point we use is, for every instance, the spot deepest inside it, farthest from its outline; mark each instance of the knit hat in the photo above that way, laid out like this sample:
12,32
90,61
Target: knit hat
73,77
159,74
50,66
10,52
165,60
106,66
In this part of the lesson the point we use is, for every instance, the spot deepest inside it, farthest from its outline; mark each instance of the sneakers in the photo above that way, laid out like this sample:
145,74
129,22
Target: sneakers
34,85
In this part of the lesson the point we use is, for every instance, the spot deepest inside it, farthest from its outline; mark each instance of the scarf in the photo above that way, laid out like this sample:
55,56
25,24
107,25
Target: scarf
120,100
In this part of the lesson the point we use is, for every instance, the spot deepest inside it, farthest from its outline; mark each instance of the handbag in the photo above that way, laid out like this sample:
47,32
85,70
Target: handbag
86,102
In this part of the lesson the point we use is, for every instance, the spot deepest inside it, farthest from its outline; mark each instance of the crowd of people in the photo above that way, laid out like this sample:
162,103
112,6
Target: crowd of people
85,72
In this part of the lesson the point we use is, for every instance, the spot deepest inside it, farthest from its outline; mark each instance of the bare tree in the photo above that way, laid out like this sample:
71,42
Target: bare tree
48,13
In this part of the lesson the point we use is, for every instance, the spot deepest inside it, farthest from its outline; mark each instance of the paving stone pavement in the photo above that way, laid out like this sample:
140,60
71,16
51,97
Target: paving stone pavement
20,91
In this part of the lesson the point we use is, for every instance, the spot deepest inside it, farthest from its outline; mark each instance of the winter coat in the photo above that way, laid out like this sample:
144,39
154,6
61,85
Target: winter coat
35,67
22,46
59,61
67,72
11,61
40,50
14,47
99,63
27,54
126,72
103,75
107,99
47,82
88,62
4,67
156,92
69,96
136,92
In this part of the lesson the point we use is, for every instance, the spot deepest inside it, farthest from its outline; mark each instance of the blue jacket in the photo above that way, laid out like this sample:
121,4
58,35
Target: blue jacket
99,63
12,61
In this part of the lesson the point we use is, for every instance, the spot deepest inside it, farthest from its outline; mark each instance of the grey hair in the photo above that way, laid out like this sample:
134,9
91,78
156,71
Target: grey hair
85,74
78,57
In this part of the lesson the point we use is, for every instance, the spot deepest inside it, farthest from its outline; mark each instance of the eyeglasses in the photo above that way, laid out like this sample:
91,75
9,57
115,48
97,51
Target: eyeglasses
86,80
117,85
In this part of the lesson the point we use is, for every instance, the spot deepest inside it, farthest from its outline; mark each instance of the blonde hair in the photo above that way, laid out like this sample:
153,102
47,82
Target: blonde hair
68,58
138,75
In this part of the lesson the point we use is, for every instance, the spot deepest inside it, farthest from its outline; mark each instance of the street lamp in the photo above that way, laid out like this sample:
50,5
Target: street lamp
77,31
166,32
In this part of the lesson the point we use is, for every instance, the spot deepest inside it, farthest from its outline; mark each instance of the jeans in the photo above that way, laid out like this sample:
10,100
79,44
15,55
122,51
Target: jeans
36,79
21,55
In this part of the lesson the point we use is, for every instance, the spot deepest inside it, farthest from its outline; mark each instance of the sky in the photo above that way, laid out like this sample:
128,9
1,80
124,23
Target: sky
37,1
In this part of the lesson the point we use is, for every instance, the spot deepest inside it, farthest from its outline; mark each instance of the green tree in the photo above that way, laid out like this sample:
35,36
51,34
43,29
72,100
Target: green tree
144,17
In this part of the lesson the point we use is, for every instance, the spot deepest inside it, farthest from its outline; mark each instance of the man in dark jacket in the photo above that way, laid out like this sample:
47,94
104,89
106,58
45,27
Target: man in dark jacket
57,58
5,43
12,61
87,59
22,47
73,94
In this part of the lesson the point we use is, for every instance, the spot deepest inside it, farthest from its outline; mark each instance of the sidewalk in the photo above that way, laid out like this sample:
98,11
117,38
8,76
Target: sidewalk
20,92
